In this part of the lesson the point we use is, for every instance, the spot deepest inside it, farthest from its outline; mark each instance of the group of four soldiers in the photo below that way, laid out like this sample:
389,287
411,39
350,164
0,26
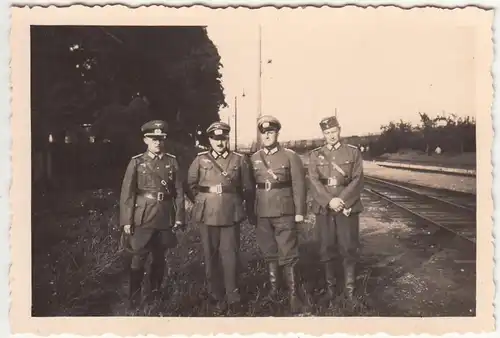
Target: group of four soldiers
269,189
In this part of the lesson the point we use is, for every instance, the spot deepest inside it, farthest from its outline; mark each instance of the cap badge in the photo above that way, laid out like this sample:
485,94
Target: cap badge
157,131
265,124
218,131
158,124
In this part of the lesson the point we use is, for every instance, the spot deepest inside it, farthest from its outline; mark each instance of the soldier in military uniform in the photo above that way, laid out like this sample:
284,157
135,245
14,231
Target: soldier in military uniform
151,208
221,180
336,178
280,203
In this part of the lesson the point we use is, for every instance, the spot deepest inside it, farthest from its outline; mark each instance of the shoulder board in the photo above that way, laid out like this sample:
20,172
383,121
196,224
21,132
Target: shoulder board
168,154
234,152
350,145
137,156
202,153
316,149
290,150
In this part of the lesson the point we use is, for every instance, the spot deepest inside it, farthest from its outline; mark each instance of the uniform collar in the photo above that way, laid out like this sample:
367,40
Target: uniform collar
335,146
154,156
216,155
272,150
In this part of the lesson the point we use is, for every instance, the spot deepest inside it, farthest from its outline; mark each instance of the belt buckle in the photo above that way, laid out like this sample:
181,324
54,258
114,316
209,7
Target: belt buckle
267,185
218,188
331,182
160,196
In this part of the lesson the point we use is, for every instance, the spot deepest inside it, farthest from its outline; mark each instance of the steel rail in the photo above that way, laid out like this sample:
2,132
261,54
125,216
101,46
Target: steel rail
420,215
410,190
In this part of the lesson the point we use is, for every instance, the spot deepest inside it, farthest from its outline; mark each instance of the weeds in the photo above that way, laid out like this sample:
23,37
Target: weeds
79,270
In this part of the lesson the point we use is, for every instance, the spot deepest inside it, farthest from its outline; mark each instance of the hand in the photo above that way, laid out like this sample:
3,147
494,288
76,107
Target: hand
252,219
336,204
299,218
178,226
127,229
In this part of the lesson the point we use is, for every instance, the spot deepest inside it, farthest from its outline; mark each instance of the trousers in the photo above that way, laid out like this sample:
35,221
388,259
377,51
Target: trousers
338,234
146,241
278,239
221,245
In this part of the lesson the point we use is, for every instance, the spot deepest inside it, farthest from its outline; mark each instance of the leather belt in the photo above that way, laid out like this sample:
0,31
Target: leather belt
155,195
331,182
273,185
217,189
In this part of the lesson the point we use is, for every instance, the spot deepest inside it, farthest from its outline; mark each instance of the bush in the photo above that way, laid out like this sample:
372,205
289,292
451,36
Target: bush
451,133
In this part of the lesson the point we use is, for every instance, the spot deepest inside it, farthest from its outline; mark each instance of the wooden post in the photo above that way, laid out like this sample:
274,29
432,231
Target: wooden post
236,123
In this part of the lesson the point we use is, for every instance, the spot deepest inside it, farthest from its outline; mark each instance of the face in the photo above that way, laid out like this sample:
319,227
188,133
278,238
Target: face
269,138
219,145
332,135
155,144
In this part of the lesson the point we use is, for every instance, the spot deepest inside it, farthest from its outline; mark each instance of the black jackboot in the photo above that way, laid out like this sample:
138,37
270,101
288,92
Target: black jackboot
273,281
296,303
330,282
157,273
135,281
156,278
349,280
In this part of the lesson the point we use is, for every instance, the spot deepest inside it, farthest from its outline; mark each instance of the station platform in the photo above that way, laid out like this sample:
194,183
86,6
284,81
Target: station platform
426,168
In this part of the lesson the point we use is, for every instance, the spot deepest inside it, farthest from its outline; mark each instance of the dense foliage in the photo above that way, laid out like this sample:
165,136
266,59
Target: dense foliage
115,78
452,134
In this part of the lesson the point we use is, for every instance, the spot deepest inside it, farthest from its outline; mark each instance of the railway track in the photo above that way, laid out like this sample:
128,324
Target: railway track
453,212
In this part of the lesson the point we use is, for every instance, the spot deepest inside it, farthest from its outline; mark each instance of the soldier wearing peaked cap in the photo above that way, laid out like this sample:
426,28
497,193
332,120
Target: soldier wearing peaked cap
336,178
221,181
151,208
280,203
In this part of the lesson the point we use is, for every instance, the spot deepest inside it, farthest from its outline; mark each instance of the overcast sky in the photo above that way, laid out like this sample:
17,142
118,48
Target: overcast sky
373,69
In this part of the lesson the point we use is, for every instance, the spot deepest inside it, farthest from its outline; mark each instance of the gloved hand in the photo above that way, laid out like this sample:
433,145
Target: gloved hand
128,229
179,226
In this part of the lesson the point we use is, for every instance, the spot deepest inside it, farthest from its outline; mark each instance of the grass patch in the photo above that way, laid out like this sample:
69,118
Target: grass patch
78,269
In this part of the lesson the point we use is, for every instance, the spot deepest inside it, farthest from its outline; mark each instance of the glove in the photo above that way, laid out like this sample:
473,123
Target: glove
128,229
299,218
178,226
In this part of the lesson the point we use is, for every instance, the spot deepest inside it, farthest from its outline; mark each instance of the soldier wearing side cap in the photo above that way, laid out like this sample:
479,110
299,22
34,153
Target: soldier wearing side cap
221,181
151,209
280,204
336,178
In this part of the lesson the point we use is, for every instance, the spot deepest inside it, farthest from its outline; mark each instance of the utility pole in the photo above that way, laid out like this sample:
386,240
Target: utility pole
259,97
235,123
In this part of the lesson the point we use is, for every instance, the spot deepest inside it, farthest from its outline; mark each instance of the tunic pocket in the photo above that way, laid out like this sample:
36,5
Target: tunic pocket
287,205
139,210
198,210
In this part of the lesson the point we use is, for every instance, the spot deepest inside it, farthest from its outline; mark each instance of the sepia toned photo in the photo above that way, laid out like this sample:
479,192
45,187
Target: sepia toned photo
198,170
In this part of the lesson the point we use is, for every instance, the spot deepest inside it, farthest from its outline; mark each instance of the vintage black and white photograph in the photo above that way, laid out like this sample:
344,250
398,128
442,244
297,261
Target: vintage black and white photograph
273,166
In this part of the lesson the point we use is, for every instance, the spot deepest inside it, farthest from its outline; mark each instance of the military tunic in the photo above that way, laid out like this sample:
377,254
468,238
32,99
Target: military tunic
337,172
222,201
150,207
281,194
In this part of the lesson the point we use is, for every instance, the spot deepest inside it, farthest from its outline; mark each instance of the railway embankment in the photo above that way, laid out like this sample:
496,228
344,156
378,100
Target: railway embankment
427,178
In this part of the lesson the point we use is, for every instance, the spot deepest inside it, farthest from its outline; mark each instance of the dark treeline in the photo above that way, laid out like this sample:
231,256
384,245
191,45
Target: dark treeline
115,79
452,134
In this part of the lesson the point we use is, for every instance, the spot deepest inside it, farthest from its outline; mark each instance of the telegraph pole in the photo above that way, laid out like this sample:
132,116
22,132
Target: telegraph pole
235,123
259,97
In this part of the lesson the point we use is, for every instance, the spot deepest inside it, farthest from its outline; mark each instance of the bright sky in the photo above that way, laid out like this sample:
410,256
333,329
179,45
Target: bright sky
372,68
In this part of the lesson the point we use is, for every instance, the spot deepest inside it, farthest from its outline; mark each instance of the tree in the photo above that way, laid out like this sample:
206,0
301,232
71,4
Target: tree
97,74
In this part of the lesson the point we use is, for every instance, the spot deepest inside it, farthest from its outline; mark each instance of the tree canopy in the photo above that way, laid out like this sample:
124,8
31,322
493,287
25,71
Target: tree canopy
116,78
453,134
